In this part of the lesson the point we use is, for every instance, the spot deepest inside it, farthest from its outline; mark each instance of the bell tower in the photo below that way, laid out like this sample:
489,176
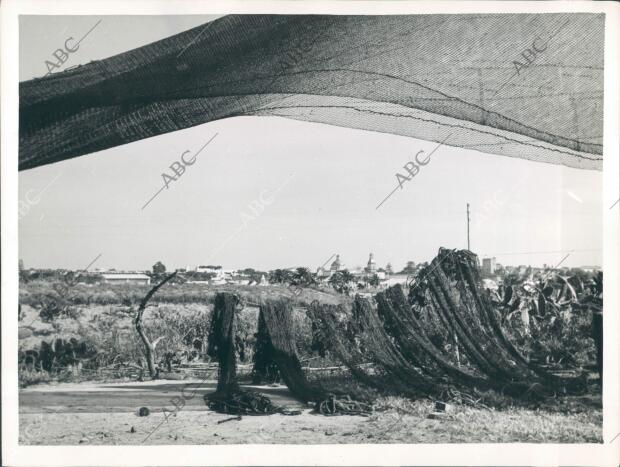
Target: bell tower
372,266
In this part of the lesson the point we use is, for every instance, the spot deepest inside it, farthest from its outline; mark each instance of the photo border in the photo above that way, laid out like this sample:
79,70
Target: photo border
607,453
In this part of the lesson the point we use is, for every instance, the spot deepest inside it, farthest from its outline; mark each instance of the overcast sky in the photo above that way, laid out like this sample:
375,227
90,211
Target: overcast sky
319,185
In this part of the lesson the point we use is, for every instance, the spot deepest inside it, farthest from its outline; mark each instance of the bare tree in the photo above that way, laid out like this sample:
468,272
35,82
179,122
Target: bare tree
149,348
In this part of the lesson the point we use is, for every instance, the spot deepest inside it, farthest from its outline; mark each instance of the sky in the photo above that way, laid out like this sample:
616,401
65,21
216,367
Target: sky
269,192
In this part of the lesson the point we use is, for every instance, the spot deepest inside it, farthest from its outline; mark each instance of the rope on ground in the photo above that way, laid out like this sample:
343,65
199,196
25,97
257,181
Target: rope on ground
461,397
343,406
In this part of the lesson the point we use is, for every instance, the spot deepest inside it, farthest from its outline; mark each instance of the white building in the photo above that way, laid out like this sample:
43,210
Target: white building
591,268
209,269
488,266
121,278
217,270
394,279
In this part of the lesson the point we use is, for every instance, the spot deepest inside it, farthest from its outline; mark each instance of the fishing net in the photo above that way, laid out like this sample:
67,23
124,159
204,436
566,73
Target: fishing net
229,398
265,370
243,402
362,339
343,406
443,334
276,342
221,343
281,341
451,289
444,78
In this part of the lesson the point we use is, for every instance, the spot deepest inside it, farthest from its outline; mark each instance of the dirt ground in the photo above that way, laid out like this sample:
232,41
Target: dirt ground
106,414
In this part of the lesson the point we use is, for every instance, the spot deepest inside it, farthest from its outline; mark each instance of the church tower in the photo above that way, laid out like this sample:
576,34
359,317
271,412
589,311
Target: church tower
372,266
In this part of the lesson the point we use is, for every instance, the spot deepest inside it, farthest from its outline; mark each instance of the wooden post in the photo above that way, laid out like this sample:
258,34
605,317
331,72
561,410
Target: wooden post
468,246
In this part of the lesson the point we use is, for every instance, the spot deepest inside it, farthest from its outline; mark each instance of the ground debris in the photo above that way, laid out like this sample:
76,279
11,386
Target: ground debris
343,406
241,402
238,418
443,407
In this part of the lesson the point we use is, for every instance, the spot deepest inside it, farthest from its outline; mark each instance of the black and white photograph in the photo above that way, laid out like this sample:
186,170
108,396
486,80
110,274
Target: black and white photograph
310,229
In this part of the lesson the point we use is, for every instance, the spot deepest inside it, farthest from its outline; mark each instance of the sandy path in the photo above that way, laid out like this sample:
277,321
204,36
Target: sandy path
96,413
105,413
130,396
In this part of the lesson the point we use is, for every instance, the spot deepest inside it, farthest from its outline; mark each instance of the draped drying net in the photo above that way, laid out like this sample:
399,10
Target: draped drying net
277,347
443,334
520,85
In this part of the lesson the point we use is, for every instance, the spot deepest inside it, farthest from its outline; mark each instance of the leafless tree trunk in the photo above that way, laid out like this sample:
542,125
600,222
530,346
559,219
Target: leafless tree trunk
149,348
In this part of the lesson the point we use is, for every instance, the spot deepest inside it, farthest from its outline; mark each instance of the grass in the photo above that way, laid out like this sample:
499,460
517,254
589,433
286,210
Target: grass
172,314
31,293
28,377
406,419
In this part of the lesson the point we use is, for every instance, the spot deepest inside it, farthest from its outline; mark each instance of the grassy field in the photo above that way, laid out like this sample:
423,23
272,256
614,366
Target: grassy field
30,293
89,406
179,315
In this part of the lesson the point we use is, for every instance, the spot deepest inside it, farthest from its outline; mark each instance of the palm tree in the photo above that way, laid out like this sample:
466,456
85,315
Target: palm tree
341,281
347,276
373,280
277,276
303,277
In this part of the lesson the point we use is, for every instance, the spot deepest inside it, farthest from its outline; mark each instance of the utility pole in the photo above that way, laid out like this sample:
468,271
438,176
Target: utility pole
468,227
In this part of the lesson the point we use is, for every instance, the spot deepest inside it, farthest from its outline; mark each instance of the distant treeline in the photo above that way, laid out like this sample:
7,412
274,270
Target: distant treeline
56,275
39,293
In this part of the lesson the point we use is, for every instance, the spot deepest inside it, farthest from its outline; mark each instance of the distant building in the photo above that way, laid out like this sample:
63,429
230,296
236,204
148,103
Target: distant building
238,280
591,268
209,269
216,270
488,266
394,279
336,265
322,273
489,284
371,267
121,278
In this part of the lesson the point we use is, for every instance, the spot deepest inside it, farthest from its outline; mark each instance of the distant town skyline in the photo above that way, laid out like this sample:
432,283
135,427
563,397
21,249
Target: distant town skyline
326,266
